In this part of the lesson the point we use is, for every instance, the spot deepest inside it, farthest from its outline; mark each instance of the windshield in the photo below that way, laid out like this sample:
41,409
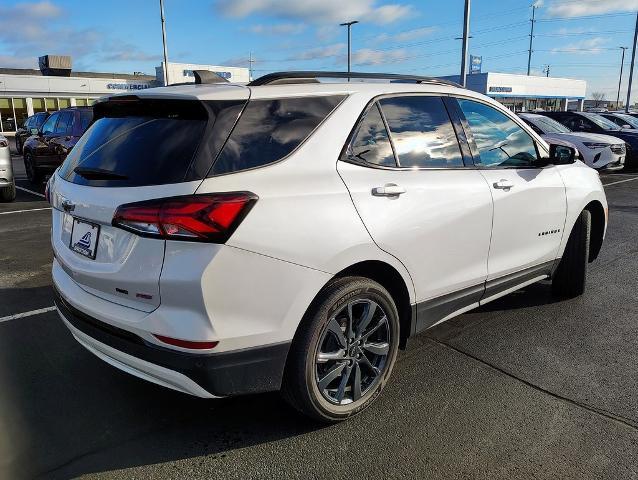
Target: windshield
602,122
548,125
628,119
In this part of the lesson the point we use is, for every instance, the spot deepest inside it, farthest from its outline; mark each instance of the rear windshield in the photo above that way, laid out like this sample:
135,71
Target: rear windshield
269,130
149,142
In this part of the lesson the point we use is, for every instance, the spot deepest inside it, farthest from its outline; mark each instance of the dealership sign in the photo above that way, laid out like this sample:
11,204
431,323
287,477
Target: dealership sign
475,64
500,89
127,86
226,75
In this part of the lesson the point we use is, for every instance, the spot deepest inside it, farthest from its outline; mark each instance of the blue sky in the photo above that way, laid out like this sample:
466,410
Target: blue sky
576,38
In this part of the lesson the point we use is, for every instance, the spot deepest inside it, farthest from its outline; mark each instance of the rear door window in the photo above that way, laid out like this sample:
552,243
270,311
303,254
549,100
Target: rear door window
371,142
85,119
271,129
422,132
150,142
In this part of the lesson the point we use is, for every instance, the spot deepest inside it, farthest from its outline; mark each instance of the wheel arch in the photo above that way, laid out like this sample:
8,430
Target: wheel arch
390,278
597,211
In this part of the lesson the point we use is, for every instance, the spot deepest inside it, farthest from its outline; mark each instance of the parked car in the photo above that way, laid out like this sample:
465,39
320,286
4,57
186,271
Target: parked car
46,150
595,123
602,152
623,120
31,126
7,181
293,235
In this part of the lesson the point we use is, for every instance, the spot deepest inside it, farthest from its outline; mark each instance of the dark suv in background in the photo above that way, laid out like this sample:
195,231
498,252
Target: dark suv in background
33,123
46,150
595,123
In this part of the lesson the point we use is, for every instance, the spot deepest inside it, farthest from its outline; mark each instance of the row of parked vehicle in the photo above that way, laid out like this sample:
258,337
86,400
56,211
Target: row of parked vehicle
44,141
606,141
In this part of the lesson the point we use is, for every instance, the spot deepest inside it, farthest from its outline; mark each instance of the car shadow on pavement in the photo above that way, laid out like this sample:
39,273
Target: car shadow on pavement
60,405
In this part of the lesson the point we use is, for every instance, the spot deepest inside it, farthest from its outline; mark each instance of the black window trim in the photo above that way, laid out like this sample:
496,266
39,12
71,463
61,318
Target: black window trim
344,157
508,114
209,174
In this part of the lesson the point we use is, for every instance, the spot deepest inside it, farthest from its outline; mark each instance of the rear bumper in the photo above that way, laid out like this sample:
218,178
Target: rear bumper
204,375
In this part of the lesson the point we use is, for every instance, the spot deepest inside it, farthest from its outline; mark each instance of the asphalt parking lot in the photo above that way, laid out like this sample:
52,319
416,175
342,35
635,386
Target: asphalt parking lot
525,387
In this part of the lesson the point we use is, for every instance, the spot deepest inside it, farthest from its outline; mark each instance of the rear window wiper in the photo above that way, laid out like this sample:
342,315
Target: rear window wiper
98,174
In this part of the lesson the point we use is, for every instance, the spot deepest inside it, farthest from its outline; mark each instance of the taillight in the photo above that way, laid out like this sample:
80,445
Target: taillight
203,218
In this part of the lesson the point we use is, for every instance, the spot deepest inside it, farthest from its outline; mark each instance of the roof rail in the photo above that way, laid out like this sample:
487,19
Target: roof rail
313,76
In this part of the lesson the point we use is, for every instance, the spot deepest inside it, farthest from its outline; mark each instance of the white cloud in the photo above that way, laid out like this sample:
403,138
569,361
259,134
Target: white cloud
583,47
317,11
367,56
590,7
28,30
278,29
407,36
320,52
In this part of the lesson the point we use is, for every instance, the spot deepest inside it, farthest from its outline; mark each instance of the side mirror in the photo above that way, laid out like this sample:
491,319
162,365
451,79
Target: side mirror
562,155
626,126
34,131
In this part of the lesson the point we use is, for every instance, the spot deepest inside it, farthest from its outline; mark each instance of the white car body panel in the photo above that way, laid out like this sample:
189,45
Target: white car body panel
447,249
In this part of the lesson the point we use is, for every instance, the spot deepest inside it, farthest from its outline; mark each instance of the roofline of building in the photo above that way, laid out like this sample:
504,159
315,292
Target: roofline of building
36,72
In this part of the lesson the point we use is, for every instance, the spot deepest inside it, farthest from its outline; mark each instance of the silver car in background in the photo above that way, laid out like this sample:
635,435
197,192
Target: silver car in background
7,182
601,152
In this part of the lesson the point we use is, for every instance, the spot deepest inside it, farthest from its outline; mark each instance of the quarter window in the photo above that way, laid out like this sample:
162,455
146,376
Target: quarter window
500,141
371,143
269,130
422,132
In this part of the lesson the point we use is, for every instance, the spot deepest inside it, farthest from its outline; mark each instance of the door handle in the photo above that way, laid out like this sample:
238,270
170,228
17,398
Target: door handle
388,190
503,184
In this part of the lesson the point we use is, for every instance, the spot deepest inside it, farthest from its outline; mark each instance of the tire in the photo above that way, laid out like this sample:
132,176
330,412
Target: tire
8,194
319,350
570,277
33,174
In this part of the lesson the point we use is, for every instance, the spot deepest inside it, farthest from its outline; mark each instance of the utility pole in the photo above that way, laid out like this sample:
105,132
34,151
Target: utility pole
531,38
250,66
622,63
631,71
466,41
165,69
349,25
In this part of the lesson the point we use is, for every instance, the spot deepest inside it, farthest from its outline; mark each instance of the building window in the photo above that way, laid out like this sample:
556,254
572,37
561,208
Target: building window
51,104
38,105
64,103
81,102
92,101
20,111
7,121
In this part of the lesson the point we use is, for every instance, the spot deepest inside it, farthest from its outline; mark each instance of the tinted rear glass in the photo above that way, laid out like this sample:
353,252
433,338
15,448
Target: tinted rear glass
149,142
269,130
85,118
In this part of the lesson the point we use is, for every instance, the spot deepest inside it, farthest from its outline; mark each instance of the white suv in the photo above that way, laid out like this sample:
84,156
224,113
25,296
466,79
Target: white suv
292,234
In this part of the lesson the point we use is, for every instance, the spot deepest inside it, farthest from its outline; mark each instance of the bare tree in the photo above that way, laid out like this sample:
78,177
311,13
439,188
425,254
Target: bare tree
598,97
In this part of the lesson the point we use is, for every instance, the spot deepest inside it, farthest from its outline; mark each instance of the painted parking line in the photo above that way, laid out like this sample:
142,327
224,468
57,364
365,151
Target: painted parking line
29,191
620,181
26,210
26,314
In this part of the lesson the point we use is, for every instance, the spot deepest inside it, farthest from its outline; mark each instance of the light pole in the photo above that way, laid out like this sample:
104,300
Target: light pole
466,41
631,71
622,64
164,42
349,25
531,38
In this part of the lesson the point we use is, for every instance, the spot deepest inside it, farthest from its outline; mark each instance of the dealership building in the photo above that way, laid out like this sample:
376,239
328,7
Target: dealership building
55,85
523,93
